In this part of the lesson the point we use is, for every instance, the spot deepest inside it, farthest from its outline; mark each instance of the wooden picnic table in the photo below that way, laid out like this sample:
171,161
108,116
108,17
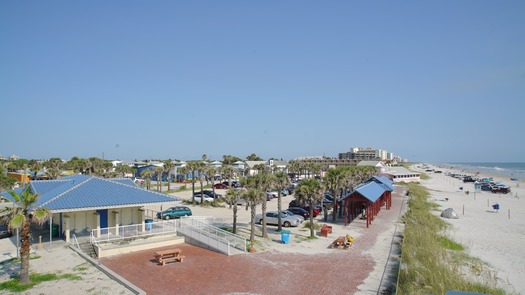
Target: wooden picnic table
340,243
164,256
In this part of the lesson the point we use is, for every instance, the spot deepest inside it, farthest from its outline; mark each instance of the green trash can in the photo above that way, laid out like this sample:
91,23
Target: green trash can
54,230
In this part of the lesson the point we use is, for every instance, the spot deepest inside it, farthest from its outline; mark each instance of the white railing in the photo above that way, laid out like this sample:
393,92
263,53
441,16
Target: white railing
222,240
76,241
133,231
202,229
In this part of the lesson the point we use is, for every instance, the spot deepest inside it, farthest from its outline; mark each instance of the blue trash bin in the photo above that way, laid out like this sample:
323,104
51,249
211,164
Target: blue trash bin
285,236
149,224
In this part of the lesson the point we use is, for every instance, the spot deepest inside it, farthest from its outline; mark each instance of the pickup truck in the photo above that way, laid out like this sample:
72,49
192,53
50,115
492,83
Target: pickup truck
501,190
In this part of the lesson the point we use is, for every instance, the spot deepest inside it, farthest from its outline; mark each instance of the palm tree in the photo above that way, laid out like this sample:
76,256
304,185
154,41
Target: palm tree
168,166
147,175
192,166
21,215
124,169
201,168
310,191
34,166
52,173
227,170
159,171
261,182
210,173
253,196
232,197
334,181
281,181
184,172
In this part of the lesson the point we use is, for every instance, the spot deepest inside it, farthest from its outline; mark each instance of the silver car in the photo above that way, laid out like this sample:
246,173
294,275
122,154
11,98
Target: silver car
289,213
273,218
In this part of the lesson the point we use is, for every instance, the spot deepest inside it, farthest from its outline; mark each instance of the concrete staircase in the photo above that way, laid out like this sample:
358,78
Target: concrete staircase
88,249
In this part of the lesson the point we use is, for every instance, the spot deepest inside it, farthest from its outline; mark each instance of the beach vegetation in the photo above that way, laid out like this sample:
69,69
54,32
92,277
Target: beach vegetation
316,226
432,263
14,284
449,244
21,215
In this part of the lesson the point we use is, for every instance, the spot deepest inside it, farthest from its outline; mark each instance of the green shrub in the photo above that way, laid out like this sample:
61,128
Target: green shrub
306,224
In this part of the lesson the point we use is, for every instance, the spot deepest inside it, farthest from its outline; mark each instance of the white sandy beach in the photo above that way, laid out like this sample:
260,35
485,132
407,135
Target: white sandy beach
497,238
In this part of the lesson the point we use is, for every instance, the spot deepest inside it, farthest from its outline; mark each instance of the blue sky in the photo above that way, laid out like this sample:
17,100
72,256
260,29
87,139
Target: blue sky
437,81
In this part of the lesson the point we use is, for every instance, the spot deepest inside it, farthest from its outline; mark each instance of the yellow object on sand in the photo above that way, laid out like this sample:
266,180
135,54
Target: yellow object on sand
349,238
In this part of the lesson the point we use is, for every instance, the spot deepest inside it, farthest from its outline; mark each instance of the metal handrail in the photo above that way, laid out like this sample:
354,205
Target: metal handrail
135,231
231,239
76,241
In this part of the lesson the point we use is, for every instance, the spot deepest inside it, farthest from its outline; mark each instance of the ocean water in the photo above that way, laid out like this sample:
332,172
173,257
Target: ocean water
506,169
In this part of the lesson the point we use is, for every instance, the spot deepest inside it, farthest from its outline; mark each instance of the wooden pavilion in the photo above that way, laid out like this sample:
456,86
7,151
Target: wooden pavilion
367,199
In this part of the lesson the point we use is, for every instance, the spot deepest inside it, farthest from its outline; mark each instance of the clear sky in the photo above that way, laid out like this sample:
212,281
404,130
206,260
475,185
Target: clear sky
437,81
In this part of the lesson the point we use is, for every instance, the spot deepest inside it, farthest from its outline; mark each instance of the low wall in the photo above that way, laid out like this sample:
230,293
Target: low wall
109,249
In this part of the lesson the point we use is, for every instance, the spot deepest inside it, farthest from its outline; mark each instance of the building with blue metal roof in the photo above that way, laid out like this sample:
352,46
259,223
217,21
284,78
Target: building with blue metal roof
80,203
367,199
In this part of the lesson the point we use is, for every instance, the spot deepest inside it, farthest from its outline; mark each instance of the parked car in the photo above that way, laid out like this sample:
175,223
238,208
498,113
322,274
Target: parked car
208,193
4,232
316,211
501,190
269,196
486,187
234,183
205,198
291,214
299,211
272,218
220,186
241,202
174,212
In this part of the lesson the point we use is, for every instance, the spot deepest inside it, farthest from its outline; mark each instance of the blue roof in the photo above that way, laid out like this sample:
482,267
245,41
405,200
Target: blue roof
386,183
370,191
84,192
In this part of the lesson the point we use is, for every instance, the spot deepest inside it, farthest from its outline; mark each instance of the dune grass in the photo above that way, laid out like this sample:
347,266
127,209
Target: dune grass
431,263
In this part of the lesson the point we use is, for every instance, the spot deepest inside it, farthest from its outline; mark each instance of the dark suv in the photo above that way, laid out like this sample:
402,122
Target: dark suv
4,232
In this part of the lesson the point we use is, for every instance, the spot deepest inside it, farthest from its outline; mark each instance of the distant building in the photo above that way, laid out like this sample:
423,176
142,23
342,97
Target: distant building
216,164
13,158
277,165
330,162
401,174
362,154
368,154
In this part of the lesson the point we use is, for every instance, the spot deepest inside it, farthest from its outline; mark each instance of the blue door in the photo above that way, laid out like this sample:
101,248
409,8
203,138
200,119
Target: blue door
103,220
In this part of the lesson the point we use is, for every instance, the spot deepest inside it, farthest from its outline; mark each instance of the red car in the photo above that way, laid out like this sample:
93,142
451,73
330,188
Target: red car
220,185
